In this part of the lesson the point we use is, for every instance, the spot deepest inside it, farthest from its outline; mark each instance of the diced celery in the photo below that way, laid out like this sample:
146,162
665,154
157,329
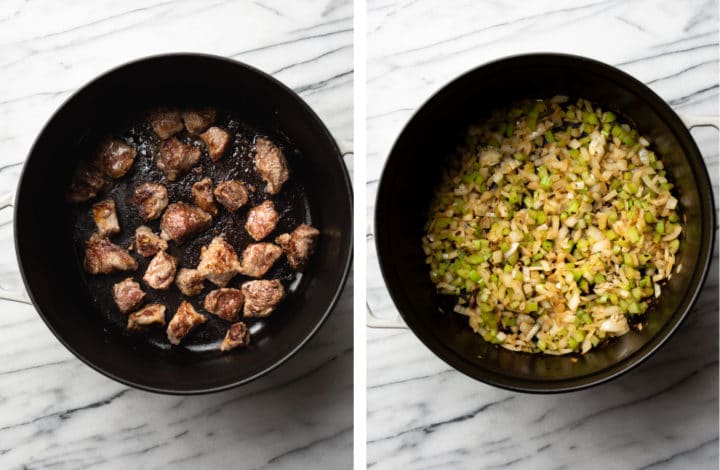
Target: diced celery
660,227
608,117
633,234
531,307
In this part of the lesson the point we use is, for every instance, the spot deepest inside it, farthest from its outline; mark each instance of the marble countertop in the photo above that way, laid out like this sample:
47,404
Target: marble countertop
55,411
423,414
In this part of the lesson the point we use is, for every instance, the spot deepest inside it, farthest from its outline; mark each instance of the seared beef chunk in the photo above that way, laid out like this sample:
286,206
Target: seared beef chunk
148,315
226,303
161,271
202,194
88,181
181,221
270,163
218,262
115,157
262,220
150,199
258,258
106,218
299,245
184,320
198,120
237,335
127,294
147,243
217,141
175,158
231,194
261,297
103,256
165,122
189,281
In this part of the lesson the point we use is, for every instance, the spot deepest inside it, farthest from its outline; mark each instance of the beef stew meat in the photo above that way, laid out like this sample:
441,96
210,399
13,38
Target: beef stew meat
226,303
152,314
258,258
237,335
190,282
262,220
231,194
176,158
198,120
127,294
151,199
105,218
270,163
182,221
202,196
218,262
183,322
166,122
217,141
104,257
261,297
147,243
157,190
160,272
299,245
115,157
88,181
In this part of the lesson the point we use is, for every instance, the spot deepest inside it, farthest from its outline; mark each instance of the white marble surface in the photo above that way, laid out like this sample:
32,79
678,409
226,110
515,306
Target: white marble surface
56,412
423,414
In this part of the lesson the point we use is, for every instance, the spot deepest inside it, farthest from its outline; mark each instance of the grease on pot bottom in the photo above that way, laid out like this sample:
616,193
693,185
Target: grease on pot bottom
194,205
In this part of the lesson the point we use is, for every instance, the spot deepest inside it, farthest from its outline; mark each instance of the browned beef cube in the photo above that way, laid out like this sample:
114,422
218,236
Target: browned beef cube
190,282
105,218
258,258
217,141
299,245
181,221
115,157
150,199
232,194
237,335
161,271
148,243
270,163
175,158
184,321
198,120
262,220
146,316
103,257
202,194
226,303
127,294
166,122
218,262
88,181
261,297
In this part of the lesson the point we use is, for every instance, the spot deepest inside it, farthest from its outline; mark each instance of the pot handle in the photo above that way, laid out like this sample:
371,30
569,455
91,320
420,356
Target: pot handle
700,121
8,200
372,320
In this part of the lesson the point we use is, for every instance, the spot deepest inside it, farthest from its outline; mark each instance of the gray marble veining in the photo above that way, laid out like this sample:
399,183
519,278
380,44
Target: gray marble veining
57,413
423,414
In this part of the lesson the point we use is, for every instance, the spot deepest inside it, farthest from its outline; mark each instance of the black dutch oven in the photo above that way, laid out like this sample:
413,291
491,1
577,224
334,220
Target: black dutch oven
52,271
415,163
